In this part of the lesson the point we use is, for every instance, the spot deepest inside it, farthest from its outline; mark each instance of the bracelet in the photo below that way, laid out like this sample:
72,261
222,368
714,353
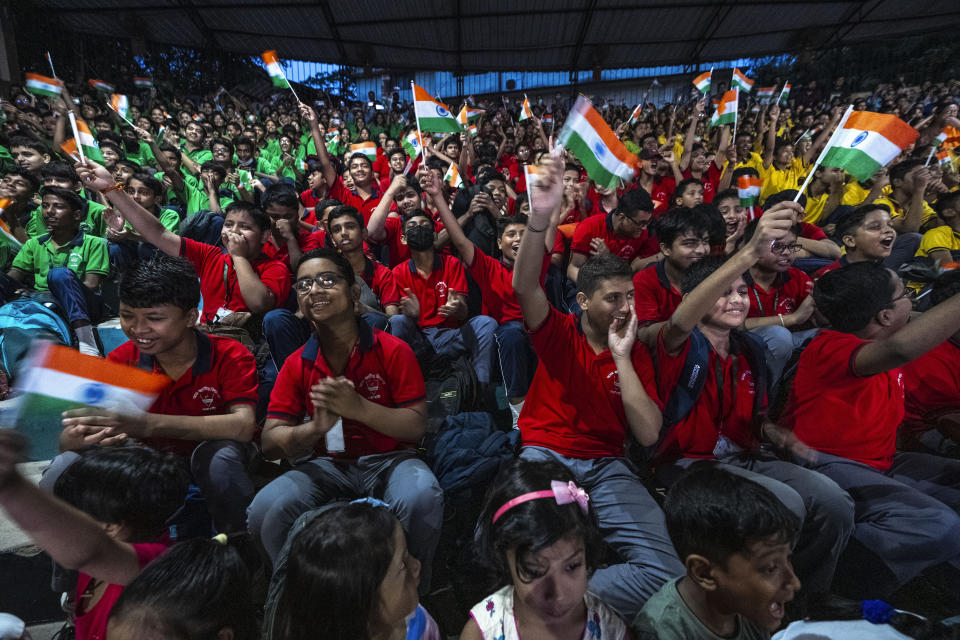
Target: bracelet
120,186
782,324
536,230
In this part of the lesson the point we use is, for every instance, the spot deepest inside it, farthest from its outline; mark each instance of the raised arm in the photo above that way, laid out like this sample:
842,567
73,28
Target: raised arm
545,196
722,146
771,136
376,227
329,172
451,225
71,537
821,139
97,178
691,133
774,224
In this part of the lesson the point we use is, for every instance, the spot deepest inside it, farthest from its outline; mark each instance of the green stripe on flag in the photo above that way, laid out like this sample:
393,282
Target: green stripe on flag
595,169
440,125
855,162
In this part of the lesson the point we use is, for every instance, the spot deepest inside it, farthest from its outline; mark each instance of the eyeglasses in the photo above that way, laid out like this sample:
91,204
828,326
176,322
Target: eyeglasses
907,293
325,280
641,224
780,248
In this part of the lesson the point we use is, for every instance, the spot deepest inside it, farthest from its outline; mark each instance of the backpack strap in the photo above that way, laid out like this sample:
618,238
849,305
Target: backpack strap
750,345
693,377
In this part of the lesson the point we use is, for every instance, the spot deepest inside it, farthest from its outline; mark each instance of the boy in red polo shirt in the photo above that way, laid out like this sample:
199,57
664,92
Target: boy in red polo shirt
780,302
622,232
722,421
288,240
385,226
433,307
205,415
592,385
238,278
363,398
684,236
846,403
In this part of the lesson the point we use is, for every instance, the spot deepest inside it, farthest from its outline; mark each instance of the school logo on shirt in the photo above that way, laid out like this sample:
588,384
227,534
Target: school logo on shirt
613,382
442,289
73,262
627,251
789,305
372,386
208,397
747,377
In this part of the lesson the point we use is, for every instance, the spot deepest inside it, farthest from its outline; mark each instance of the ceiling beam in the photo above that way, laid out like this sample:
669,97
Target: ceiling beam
332,25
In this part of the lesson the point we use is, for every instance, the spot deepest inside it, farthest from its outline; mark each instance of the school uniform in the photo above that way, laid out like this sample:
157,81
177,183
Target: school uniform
445,336
905,502
626,247
384,371
574,414
654,298
354,199
722,426
932,388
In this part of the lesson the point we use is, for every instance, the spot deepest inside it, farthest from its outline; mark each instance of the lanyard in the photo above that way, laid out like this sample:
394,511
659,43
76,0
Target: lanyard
227,289
776,301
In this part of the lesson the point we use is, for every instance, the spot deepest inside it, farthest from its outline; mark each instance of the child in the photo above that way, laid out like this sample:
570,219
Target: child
29,154
65,263
288,240
434,305
735,539
594,386
867,236
537,532
350,574
684,236
205,415
238,279
364,388
846,402
689,193
18,188
124,242
106,521
734,217
63,175
198,589
942,244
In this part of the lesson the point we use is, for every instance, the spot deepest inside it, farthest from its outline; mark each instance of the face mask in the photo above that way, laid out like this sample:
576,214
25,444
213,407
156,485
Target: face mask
419,238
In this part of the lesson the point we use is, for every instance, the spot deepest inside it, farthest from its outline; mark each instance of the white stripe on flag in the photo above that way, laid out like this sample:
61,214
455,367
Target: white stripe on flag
64,386
576,123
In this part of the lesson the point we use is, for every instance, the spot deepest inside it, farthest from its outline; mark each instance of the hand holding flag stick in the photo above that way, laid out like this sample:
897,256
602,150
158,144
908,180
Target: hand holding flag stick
76,135
823,152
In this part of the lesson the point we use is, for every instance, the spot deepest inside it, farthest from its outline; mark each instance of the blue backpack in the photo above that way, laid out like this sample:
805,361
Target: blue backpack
21,322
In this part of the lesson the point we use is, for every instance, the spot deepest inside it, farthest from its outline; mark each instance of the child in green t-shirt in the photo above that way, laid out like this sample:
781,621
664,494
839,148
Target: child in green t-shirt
65,263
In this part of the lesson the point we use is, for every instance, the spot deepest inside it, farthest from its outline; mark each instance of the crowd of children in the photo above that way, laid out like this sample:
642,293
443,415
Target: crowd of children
782,371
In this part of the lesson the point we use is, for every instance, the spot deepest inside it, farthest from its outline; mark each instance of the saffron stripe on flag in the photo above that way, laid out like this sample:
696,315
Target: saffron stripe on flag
71,362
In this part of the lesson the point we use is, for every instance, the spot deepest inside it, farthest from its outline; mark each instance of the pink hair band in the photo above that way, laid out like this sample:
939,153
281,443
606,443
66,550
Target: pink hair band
563,493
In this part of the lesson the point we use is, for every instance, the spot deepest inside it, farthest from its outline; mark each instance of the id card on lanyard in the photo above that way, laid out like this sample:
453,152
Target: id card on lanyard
725,446
223,311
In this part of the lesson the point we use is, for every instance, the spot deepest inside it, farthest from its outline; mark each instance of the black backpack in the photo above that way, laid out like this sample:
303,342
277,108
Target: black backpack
452,388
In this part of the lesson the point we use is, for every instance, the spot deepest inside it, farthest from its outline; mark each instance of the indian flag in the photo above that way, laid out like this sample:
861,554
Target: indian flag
4,227
547,119
333,139
532,173
944,157
865,142
452,176
784,93
142,83
702,81
432,115
368,149
100,85
637,112
273,68
56,378
948,138
87,142
472,129
748,189
742,81
726,112
525,111
43,86
468,115
764,94
120,104
413,144
592,141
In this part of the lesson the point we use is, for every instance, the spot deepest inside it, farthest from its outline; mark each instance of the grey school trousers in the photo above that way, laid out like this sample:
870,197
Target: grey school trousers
631,522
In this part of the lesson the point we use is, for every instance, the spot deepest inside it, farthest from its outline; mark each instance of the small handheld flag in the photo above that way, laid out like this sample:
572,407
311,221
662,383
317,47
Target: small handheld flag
943,158
748,190
784,94
277,76
866,142
948,138
43,86
525,111
468,114
413,144
452,176
120,104
726,112
742,81
368,149
85,144
702,81
432,115
765,94
142,82
637,112
4,228
591,140
100,85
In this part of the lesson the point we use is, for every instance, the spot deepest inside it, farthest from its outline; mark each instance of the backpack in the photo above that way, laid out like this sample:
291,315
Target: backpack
203,226
696,368
783,386
468,450
21,322
452,388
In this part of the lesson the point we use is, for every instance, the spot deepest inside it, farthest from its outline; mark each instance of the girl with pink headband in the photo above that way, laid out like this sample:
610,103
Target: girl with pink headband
537,532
